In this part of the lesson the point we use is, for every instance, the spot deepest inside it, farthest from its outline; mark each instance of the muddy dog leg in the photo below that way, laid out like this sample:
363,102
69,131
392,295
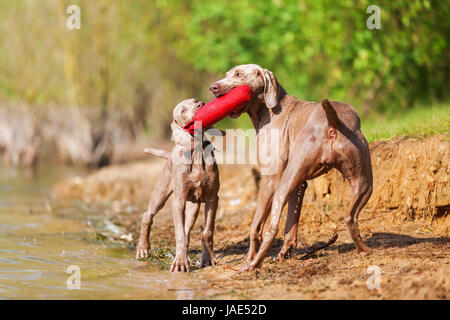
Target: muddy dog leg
159,196
360,179
281,195
293,216
208,257
192,209
181,261
362,191
264,202
304,158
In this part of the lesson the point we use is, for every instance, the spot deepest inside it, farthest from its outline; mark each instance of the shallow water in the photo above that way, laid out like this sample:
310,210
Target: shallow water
40,240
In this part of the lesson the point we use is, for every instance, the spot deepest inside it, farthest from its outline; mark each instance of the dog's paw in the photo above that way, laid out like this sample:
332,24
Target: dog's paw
245,267
362,249
180,264
286,252
283,255
142,251
250,266
208,261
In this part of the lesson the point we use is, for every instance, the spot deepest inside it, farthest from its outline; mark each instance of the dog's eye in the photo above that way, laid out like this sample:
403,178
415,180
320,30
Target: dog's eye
238,74
183,111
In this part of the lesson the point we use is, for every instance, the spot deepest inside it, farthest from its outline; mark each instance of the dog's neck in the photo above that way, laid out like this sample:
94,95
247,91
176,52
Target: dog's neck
260,114
195,149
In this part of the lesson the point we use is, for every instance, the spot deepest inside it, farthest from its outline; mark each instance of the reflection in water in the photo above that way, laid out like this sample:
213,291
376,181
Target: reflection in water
38,242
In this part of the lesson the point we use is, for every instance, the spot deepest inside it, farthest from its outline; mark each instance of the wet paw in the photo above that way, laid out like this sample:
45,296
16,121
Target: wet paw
208,261
245,267
363,253
180,264
363,249
142,251
284,254
251,266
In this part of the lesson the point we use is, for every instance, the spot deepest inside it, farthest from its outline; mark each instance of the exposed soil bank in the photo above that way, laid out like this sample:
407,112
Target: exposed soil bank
406,223
411,176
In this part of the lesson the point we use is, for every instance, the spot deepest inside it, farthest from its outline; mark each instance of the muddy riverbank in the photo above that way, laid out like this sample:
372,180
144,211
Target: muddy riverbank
42,240
406,223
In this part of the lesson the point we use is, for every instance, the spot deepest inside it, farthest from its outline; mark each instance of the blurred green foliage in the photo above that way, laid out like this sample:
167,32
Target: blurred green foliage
324,49
142,57
123,58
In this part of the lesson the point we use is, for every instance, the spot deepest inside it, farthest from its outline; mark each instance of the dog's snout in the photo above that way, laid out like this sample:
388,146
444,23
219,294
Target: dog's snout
215,86
199,104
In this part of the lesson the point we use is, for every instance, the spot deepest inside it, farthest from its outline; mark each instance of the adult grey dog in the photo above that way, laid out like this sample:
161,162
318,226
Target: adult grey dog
313,138
191,174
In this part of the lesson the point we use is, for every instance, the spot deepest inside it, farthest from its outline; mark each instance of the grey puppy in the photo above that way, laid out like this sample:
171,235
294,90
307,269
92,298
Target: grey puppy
313,138
192,175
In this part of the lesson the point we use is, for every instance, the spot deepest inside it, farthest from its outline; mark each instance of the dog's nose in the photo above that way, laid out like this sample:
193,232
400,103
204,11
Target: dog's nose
214,87
199,104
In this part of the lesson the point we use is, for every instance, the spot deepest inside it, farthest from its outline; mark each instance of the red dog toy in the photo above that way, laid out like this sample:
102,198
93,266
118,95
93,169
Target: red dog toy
220,108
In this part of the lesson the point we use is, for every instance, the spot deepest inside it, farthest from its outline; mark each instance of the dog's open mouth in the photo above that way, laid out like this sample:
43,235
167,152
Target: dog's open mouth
235,114
221,93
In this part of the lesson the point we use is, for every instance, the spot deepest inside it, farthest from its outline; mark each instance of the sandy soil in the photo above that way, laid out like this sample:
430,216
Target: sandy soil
406,223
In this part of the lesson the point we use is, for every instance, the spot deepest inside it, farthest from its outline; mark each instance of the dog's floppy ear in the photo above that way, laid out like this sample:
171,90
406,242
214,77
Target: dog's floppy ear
271,89
180,136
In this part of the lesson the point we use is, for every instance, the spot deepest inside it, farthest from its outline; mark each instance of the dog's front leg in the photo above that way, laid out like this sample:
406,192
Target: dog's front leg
191,213
208,257
181,261
264,202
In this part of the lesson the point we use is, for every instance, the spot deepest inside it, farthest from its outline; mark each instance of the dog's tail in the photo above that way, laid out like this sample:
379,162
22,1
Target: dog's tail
158,152
331,113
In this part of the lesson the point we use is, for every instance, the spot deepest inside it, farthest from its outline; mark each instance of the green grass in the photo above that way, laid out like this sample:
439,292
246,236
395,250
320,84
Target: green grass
416,122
